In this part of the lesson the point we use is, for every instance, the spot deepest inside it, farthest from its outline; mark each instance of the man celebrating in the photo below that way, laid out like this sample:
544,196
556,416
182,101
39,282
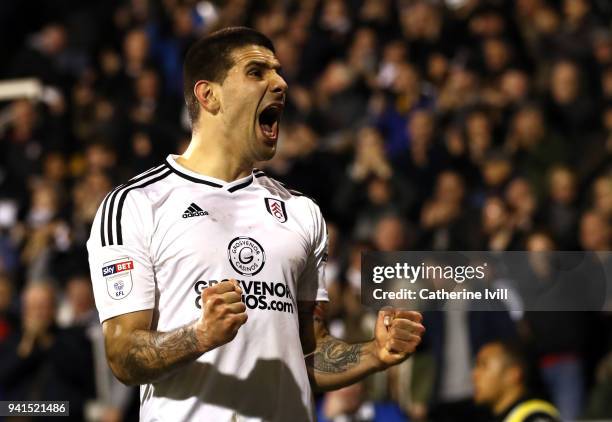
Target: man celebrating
208,275
499,383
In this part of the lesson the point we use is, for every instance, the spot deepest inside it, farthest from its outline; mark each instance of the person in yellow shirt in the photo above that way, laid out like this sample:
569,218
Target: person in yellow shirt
500,384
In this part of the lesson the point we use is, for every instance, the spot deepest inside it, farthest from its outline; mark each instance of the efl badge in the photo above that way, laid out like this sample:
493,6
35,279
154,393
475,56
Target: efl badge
276,207
118,276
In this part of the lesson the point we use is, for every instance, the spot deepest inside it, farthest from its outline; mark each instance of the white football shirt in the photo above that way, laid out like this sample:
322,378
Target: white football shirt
160,239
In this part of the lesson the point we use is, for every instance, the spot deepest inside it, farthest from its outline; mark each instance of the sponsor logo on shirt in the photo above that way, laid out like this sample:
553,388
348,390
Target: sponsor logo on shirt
118,276
194,210
246,255
117,268
256,294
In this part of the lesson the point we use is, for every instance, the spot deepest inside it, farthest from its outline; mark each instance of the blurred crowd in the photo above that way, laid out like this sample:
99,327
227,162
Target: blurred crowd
415,124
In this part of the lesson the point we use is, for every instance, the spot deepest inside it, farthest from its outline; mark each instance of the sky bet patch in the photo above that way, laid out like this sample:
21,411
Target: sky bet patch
127,265
118,276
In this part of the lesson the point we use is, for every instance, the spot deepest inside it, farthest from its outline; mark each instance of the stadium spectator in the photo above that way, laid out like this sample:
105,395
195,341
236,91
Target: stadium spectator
453,338
43,362
560,209
558,339
501,383
445,221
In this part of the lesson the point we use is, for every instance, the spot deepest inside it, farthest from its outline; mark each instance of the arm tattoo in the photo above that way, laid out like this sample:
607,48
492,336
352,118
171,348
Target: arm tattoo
334,356
151,355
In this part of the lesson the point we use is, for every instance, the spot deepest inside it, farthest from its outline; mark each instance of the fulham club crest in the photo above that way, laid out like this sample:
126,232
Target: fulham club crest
276,207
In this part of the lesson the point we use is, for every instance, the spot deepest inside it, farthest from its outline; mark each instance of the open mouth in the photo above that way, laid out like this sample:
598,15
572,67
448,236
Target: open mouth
269,120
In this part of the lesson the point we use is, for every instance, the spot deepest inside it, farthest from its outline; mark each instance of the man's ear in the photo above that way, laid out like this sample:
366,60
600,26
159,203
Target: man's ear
515,375
205,92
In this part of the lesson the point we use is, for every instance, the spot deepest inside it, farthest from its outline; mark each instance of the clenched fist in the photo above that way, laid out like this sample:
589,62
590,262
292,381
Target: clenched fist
223,314
397,334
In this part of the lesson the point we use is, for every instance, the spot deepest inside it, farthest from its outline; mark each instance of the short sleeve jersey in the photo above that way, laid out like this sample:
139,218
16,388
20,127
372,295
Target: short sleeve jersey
158,240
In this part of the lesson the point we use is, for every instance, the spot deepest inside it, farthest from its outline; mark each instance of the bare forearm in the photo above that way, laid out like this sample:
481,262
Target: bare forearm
335,364
138,355
146,356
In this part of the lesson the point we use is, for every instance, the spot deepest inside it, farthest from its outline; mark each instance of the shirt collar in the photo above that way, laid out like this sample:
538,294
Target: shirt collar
192,176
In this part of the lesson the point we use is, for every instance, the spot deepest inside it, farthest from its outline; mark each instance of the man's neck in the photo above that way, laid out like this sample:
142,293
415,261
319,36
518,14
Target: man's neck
211,158
507,400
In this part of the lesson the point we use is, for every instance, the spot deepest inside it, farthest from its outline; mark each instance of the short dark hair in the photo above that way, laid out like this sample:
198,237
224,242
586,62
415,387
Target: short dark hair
210,58
515,353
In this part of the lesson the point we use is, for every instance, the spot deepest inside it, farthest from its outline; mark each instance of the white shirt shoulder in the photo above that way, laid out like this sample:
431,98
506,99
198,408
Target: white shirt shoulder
118,247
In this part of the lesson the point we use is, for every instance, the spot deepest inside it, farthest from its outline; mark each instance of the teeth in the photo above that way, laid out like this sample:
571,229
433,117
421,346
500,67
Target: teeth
270,131
271,115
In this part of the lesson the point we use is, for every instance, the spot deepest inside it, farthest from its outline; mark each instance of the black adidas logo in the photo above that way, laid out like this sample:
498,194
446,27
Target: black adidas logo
194,211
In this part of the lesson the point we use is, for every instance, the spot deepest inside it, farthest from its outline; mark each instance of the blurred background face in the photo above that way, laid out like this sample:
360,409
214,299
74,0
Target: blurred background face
407,80
496,54
287,54
562,186
564,82
494,215
44,198
369,142
479,134
53,39
450,188
461,79
540,261
110,62
547,21
602,47
147,85
44,205
478,125
136,46
141,145
364,40
394,52
437,68
520,196
24,114
100,157
496,171
39,305
603,195
88,194
528,7
575,10
488,24
389,234
594,232
80,295
375,10
540,242
337,77
515,85
183,22
379,191
421,128
489,375
529,126
55,167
